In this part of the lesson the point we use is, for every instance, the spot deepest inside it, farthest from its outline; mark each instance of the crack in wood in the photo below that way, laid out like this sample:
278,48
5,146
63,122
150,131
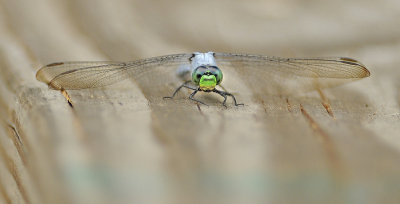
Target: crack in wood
4,194
264,105
328,146
202,113
289,106
16,134
326,104
198,108
66,96
17,143
12,168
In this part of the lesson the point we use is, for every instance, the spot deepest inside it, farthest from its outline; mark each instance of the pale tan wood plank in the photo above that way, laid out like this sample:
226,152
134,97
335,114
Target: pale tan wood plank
125,144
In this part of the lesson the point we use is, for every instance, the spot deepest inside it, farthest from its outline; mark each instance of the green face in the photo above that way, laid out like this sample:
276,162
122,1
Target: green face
207,77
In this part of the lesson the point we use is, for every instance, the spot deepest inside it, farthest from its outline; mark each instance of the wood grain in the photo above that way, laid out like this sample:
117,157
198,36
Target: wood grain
124,144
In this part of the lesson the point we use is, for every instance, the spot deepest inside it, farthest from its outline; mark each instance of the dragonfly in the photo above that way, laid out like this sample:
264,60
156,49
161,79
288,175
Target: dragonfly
202,72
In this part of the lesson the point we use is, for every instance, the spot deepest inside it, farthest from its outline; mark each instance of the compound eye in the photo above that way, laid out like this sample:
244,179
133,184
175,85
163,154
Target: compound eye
217,73
197,74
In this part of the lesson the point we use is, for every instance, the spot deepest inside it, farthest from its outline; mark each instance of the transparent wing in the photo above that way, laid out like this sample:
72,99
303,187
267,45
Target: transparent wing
276,75
81,75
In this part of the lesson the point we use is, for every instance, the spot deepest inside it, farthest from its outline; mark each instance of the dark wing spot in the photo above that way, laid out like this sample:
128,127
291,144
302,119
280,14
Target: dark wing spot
348,59
55,64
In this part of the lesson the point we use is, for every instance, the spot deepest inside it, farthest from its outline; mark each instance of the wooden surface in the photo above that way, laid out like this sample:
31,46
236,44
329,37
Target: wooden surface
124,144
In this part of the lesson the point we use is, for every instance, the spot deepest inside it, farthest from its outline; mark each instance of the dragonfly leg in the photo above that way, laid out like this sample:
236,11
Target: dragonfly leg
192,95
225,94
179,88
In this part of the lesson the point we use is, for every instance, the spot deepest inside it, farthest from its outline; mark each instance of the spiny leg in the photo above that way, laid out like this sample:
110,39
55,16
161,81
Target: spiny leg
179,88
192,95
224,94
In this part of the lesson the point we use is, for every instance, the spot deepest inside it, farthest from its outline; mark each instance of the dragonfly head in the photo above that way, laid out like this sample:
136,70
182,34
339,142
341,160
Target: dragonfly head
207,77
